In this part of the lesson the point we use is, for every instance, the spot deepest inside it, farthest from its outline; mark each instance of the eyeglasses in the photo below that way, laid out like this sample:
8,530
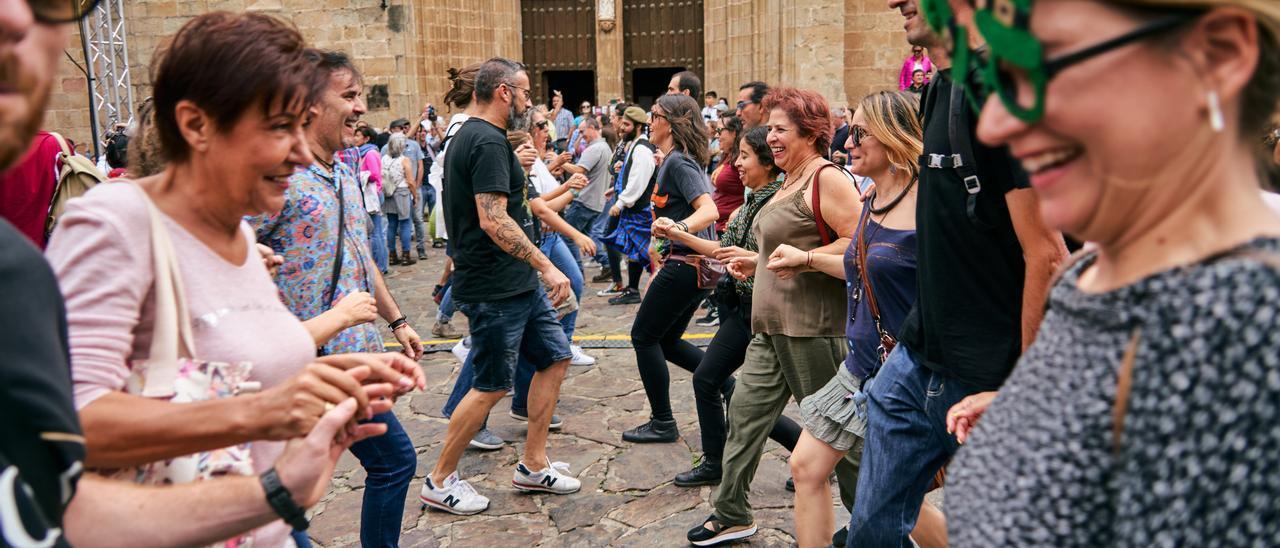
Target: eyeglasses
1013,65
540,125
655,115
527,92
743,104
1272,137
61,11
857,134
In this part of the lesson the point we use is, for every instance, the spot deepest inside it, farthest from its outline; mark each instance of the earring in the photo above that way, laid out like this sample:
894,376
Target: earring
1216,120
893,170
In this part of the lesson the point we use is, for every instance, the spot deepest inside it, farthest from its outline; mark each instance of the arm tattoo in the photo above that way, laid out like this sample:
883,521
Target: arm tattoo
504,231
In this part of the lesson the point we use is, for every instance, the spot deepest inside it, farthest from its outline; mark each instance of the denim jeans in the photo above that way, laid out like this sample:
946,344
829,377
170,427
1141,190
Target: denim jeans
582,218
389,460
505,330
378,240
397,226
557,250
599,230
447,308
419,233
906,444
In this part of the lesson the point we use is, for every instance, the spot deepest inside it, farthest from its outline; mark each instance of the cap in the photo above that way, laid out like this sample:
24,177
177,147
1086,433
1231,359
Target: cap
636,114
400,122
721,108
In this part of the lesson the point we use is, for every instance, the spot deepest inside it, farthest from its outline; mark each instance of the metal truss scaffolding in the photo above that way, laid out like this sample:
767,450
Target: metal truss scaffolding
106,54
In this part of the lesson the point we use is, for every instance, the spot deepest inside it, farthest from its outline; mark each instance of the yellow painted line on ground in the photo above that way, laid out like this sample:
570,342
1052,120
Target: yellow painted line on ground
577,338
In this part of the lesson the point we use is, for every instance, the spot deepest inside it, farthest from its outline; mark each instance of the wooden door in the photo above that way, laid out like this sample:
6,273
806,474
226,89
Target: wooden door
661,34
559,35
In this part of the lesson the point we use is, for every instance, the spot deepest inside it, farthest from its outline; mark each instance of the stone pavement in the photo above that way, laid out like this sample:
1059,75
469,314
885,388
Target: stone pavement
627,497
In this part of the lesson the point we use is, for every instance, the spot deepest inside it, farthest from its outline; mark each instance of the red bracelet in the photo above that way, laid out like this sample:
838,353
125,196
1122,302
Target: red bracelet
808,259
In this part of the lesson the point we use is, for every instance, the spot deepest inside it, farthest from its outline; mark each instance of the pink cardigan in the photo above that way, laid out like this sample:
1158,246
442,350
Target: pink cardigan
101,254
908,67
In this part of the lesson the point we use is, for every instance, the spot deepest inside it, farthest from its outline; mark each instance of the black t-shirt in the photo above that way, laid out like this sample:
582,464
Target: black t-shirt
532,225
967,321
40,436
680,182
839,139
481,160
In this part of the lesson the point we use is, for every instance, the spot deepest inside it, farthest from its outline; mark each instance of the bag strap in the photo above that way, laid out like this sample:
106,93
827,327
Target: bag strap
171,337
862,267
824,231
62,143
338,256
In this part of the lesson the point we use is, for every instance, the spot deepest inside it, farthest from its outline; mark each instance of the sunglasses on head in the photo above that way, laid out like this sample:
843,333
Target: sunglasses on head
540,124
61,11
1012,65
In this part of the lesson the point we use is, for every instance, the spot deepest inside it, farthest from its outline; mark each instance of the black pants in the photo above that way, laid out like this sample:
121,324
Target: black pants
714,378
660,323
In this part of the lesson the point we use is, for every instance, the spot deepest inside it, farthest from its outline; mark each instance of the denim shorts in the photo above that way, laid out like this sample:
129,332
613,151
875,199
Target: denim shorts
504,330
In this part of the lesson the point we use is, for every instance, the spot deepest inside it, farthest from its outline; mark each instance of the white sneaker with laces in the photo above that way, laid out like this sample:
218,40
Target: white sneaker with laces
580,357
462,349
455,497
552,479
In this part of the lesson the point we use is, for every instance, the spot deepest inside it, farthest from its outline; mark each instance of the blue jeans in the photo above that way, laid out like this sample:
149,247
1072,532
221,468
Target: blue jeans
389,461
447,307
905,445
378,240
557,250
402,227
598,229
581,218
419,232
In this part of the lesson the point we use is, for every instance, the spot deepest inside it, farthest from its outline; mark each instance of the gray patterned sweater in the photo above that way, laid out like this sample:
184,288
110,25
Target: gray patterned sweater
1198,463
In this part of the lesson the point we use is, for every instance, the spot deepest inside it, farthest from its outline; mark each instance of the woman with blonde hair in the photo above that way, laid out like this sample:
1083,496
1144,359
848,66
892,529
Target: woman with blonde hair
879,266
397,180
1146,411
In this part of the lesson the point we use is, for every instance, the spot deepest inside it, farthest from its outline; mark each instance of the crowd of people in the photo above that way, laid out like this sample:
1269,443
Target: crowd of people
899,269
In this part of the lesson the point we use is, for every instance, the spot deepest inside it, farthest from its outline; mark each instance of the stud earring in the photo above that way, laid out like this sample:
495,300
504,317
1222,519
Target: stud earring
1216,120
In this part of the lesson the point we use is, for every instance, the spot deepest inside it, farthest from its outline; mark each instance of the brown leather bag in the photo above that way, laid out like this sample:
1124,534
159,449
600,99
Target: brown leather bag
710,271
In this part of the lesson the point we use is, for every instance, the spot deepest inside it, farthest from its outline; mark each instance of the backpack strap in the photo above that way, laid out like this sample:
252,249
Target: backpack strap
961,158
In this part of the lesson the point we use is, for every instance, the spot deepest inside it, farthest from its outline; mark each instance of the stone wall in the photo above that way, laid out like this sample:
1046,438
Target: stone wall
842,48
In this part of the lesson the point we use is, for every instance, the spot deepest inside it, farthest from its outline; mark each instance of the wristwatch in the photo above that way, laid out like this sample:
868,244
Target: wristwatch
281,500
398,323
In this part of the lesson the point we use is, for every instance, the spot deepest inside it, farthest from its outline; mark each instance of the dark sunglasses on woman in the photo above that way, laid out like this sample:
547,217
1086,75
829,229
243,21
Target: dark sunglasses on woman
61,11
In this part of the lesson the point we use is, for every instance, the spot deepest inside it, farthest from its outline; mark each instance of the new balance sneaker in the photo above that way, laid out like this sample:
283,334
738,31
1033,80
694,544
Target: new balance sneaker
455,496
611,291
580,357
552,479
628,296
556,421
712,532
485,439
461,350
712,318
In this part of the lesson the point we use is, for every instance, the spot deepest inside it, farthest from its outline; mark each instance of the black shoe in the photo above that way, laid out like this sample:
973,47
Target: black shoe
791,485
654,431
408,260
718,533
705,473
422,253
712,318
437,243
628,296
840,536
605,275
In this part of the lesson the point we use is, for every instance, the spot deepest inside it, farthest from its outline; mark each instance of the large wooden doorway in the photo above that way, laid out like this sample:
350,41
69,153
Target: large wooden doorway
661,34
560,37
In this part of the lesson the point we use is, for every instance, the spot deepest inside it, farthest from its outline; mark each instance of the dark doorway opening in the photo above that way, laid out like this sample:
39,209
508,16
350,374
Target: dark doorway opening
651,83
576,85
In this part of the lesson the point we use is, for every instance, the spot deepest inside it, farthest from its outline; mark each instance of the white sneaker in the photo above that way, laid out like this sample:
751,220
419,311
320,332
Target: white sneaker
551,479
456,497
580,357
462,349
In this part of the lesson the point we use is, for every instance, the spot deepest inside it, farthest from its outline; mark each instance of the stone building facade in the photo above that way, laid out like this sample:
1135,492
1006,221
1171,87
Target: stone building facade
622,48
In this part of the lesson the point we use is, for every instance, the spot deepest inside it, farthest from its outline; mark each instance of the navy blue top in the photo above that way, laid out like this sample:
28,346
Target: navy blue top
891,259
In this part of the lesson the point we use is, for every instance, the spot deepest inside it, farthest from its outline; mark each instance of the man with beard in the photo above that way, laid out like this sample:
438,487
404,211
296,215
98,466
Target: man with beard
330,281
44,500
495,283
750,97
630,217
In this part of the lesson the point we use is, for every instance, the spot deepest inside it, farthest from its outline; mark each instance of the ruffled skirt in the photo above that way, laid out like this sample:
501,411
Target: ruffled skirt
837,413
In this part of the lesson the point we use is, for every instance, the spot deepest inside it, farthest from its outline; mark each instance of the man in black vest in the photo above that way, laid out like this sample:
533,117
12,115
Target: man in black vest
636,175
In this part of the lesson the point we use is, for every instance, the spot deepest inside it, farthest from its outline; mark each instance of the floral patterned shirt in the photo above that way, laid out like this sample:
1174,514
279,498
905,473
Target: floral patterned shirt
305,233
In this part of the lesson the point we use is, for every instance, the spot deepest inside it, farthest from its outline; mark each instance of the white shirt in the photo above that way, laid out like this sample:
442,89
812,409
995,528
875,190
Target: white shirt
710,114
638,175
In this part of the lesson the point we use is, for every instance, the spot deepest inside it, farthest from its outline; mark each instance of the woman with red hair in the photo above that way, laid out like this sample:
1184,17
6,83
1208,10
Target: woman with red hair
797,316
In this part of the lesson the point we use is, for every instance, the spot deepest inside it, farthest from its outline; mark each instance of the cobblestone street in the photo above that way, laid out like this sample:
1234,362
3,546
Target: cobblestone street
627,497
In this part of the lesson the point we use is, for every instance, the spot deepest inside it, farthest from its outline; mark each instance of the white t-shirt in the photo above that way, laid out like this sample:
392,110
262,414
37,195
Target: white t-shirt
710,114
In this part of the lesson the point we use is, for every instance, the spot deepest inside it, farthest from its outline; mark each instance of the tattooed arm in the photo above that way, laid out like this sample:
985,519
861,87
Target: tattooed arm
506,233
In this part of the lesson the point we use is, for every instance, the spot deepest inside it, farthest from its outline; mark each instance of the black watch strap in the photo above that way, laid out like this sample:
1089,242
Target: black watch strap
281,500
398,322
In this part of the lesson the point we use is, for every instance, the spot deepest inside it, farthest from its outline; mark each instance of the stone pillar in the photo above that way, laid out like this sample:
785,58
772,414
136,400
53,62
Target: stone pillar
608,52
874,47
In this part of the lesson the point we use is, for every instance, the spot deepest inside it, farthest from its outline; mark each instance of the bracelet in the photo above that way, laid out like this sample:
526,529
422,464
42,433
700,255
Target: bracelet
683,226
808,259
398,323
281,501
